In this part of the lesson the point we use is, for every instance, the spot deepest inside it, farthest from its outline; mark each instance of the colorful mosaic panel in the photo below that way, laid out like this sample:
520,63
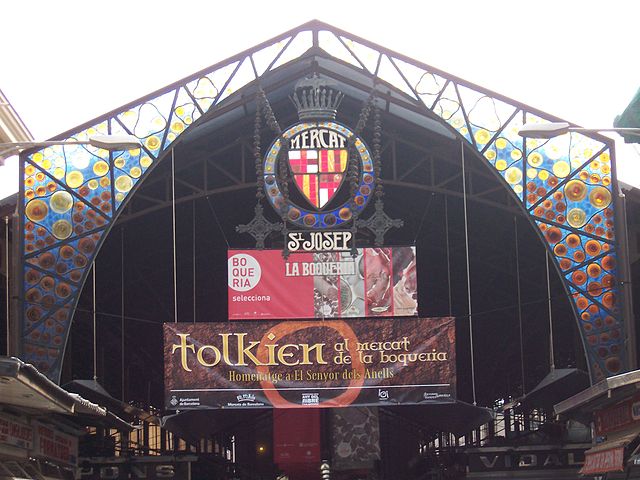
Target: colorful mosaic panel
71,194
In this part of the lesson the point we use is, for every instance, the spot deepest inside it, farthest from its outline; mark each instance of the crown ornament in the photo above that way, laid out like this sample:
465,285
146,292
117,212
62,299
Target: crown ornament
316,98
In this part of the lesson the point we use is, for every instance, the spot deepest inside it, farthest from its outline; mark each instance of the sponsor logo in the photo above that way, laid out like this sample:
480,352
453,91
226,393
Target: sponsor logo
244,272
310,399
246,397
173,401
189,402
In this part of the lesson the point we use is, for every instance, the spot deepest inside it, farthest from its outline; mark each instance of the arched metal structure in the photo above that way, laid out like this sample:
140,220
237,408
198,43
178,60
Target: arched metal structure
70,196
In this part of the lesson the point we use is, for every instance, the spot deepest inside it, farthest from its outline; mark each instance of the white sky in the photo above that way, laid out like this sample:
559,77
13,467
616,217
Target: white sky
65,62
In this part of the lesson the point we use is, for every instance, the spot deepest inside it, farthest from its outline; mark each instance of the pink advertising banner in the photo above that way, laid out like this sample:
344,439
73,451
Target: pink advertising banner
378,282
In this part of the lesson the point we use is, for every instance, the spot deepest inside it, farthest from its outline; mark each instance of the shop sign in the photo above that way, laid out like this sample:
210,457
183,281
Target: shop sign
374,282
15,434
319,241
136,468
297,364
533,458
611,460
618,417
54,445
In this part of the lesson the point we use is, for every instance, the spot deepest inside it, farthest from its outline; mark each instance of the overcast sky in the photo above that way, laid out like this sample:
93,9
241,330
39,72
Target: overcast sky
66,62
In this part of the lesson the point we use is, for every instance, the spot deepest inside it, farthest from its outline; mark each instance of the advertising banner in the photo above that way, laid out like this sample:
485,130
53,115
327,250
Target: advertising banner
15,433
296,437
377,282
52,444
296,364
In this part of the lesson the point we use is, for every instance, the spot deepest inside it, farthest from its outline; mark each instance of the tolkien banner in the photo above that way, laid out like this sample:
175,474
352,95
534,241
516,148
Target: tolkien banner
377,282
297,364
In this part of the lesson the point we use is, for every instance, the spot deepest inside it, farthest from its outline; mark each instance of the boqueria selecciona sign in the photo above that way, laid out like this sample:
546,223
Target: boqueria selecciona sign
309,363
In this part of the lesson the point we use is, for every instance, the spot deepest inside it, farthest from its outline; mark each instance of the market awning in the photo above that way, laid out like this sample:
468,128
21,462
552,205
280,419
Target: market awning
455,417
559,384
22,386
608,456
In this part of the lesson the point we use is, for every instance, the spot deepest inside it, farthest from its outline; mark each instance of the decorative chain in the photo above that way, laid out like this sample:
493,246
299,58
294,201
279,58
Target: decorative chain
377,161
257,155
354,163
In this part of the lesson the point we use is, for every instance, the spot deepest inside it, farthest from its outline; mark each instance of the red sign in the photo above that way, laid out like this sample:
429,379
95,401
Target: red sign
611,460
15,433
618,417
377,282
296,436
295,364
52,444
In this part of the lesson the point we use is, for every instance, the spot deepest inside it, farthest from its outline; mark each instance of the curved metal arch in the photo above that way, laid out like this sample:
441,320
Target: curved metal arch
71,196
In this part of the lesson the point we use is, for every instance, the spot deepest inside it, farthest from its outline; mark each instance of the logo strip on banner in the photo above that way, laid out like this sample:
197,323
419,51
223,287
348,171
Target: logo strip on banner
377,282
304,363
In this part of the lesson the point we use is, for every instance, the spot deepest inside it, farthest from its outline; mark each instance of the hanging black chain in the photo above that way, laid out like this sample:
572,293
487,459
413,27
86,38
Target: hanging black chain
377,141
353,172
257,154
259,227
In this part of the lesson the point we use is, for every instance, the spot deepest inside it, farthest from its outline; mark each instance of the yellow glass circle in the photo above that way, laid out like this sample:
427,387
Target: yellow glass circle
119,162
490,155
561,169
501,143
61,202
535,159
576,217
134,152
482,136
532,173
58,173
105,182
152,143
46,164
600,197
179,127
501,164
93,184
604,157
543,175
145,162
74,179
517,188
513,175
124,183
575,190
61,229
101,168
119,197
36,210
516,154
179,111
37,157
135,172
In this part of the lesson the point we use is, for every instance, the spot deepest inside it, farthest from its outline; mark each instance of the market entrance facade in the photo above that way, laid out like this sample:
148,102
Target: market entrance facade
511,237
